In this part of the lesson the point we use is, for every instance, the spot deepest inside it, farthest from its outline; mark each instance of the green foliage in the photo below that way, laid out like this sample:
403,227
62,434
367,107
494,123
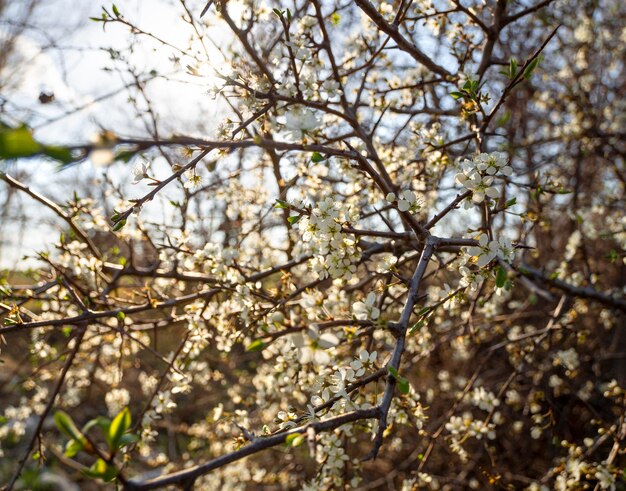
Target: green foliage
66,424
119,225
500,276
403,384
116,434
117,428
295,439
256,345
528,71
101,470
423,316
469,90
511,71
281,204
17,143
317,157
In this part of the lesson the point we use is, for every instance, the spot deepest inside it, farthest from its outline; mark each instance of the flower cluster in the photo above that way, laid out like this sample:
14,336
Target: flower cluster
367,309
484,399
406,200
478,174
336,252
487,250
299,119
312,346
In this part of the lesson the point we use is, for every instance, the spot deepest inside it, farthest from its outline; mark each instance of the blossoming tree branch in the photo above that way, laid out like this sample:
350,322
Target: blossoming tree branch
397,262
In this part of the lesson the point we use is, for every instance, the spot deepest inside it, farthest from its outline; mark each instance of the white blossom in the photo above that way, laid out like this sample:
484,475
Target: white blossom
140,170
367,309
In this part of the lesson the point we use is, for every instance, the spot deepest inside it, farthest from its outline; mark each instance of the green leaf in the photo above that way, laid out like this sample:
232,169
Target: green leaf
403,385
418,325
317,157
528,71
65,423
62,154
119,225
121,316
118,427
423,311
293,219
512,71
335,18
457,95
256,345
500,276
392,371
73,447
18,143
295,439
280,204
100,469
116,11
510,202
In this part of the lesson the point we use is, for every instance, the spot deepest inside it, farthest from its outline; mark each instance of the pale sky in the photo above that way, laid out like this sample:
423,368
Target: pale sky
75,74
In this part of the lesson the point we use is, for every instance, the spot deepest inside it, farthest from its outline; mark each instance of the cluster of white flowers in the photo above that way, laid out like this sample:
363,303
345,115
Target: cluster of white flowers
80,263
116,400
299,119
478,174
336,383
218,261
286,419
331,453
311,346
336,252
484,399
422,481
464,427
487,250
467,426
469,278
567,358
407,200
364,361
15,418
445,294
574,471
385,262
161,404
367,309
